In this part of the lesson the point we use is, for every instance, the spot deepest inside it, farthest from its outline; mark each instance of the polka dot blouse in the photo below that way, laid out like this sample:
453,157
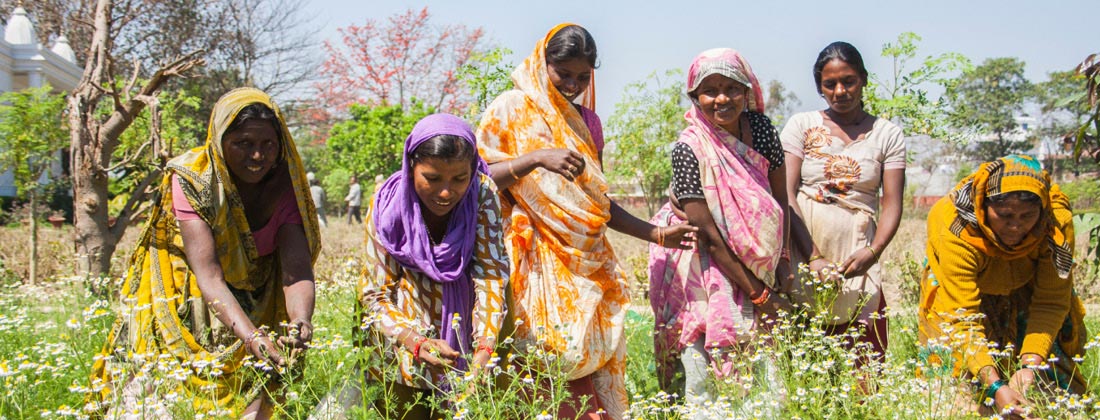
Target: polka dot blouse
685,166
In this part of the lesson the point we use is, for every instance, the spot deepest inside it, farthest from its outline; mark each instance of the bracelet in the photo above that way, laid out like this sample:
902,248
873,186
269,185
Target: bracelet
991,391
485,347
763,298
815,258
416,348
785,254
250,338
660,236
512,170
874,254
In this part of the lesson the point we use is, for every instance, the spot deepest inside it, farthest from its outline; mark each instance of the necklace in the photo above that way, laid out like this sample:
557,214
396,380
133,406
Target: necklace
832,116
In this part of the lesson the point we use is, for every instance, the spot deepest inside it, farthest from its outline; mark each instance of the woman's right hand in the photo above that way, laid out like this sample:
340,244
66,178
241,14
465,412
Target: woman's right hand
261,347
567,163
776,306
438,355
1006,396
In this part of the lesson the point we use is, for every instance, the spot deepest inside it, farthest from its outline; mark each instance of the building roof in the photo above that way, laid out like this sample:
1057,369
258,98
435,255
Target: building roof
20,30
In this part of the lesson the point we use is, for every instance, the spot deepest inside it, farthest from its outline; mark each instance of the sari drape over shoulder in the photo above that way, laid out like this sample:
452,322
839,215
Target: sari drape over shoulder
164,318
566,284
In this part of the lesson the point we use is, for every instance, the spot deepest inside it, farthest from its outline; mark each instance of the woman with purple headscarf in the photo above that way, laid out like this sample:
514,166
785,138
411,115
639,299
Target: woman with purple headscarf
432,293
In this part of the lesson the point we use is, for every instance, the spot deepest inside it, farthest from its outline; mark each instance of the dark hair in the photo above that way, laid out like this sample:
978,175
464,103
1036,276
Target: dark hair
444,147
1024,196
842,51
569,43
256,111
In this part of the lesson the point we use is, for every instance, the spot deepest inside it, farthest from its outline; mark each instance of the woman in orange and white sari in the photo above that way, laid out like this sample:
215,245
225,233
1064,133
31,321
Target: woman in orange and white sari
568,294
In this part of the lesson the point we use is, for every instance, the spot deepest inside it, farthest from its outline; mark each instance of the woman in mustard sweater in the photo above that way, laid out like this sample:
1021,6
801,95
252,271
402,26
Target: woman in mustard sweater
997,282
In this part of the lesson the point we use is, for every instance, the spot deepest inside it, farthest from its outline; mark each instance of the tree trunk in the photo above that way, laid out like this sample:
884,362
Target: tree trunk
34,237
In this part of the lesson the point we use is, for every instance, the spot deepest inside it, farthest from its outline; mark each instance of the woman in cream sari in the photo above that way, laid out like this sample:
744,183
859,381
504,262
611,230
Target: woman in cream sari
222,271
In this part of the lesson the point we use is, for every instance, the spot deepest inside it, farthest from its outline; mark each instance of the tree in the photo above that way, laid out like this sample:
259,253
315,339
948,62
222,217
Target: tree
393,62
780,102
32,131
371,142
986,101
647,119
1086,136
485,76
902,95
101,109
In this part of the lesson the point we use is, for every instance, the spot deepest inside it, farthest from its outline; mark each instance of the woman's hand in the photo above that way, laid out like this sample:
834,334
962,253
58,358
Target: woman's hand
260,346
567,163
784,277
679,236
775,307
817,265
859,262
1010,403
438,355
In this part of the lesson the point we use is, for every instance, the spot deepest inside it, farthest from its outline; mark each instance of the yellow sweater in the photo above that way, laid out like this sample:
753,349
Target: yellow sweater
958,274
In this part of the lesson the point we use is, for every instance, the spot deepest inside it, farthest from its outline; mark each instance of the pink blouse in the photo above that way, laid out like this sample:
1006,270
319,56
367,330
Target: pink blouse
286,212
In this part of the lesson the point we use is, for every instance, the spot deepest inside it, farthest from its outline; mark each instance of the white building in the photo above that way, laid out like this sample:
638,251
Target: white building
24,63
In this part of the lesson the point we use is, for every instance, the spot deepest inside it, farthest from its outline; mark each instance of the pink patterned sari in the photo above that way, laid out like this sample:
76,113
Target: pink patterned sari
691,298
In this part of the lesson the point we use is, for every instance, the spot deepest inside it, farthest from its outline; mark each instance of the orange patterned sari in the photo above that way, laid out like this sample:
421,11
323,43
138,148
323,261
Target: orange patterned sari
568,293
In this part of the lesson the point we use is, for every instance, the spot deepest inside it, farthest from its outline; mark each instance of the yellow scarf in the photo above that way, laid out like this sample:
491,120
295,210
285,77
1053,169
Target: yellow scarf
164,313
1008,174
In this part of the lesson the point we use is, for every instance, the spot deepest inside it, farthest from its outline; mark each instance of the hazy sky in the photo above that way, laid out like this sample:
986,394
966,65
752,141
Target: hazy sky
780,39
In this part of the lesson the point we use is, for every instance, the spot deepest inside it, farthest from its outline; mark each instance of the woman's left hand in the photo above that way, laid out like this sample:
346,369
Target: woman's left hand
679,236
858,263
1022,380
299,334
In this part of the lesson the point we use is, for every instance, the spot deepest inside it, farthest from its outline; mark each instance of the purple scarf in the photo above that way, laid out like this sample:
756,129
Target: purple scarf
404,235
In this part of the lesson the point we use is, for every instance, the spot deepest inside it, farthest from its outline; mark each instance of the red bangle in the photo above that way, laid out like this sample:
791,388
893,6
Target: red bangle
416,348
485,347
763,298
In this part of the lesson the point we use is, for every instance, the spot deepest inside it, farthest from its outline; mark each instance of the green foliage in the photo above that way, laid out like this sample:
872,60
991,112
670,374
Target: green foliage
903,95
371,141
1084,194
1086,136
780,102
179,129
986,100
646,121
32,129
486,75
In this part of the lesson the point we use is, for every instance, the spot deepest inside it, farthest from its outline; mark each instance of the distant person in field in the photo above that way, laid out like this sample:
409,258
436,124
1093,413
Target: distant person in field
1000,270
318,194
432,293
223,271
838,160
544,144
727,179
354,200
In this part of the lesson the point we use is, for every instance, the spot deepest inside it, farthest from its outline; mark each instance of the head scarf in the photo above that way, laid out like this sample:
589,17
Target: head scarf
403,233
726,62
1004,175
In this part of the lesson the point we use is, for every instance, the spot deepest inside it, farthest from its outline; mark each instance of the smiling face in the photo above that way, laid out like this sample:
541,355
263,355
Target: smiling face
721,100
251,150
842,86
570,77
440,184
1012,219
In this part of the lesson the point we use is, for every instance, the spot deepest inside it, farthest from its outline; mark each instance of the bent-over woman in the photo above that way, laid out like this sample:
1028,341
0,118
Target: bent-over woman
224,262
999,274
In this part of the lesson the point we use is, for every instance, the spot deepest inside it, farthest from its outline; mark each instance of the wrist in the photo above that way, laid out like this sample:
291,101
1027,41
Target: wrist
992,389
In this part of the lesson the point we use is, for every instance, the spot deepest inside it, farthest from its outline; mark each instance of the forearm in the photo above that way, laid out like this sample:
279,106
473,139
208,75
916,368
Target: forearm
300,300
623,221
505,173
711,242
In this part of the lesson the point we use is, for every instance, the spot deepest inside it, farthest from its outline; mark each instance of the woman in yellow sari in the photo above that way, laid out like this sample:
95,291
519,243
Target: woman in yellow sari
223,267
568,294
998,280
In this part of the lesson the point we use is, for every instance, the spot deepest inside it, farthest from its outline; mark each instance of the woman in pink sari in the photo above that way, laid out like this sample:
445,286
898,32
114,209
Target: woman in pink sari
728,180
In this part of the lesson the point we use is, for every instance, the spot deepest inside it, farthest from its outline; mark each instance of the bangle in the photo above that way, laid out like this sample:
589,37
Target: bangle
512,170
815,258
660,236
785,254
874,253
991,391
485,347
763,298
416,348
